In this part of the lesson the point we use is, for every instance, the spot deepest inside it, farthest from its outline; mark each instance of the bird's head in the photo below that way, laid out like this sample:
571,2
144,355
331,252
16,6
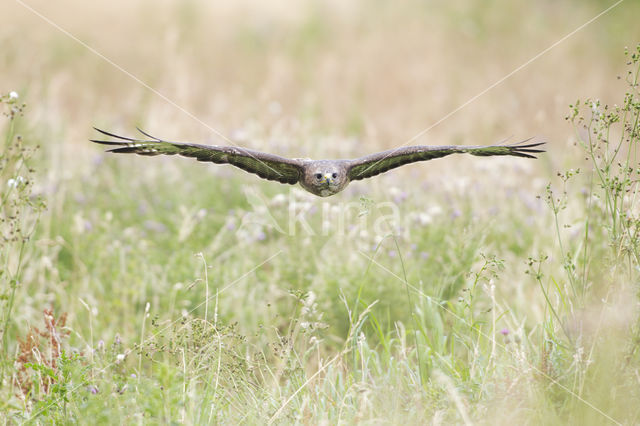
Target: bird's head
325,178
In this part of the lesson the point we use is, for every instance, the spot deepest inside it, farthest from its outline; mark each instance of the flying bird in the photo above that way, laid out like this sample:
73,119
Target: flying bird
320,177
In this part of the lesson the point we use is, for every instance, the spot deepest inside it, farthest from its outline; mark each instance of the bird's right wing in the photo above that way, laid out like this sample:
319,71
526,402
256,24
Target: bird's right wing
380,162
267,166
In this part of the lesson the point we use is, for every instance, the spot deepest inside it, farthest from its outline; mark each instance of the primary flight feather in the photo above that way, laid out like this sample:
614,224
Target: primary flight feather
320,177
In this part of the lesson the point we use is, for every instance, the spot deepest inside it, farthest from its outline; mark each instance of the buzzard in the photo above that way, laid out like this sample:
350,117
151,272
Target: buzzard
320,177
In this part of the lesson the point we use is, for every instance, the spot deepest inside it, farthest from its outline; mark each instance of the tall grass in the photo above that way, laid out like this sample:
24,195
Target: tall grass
164,305
19,214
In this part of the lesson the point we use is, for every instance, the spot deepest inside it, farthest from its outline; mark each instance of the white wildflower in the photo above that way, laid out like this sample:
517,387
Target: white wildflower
578,355
424,219
314,341
14,183
279,200
435,210
13,95
595,109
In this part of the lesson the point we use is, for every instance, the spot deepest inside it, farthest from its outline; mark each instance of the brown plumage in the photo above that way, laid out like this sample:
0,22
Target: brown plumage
320,177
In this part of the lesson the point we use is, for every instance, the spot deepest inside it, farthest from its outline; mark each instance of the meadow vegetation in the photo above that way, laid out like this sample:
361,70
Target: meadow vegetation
499,291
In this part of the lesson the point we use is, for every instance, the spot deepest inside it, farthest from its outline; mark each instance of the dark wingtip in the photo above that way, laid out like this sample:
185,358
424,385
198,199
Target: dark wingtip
124,149
106,142
522,154
531,145
526,151
113,135
148,135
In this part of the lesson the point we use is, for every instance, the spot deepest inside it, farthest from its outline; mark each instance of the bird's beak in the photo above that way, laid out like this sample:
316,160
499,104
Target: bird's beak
328,178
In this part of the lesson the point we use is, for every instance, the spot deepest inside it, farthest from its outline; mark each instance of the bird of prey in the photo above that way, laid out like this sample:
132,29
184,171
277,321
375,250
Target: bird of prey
320,177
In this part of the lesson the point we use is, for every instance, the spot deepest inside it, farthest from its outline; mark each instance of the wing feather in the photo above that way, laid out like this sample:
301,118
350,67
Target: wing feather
380,162
265,165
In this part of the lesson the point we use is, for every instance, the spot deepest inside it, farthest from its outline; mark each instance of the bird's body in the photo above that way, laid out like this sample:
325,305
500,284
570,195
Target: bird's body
320,177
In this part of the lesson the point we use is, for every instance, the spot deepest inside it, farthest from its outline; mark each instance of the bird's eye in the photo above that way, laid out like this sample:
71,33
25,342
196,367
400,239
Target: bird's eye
335,175
318,176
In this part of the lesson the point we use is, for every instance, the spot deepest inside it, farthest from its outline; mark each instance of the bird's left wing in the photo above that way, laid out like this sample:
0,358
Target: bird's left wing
267,166
380,162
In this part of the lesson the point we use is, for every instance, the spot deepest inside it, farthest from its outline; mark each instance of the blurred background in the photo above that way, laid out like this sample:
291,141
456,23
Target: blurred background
123,237
291,78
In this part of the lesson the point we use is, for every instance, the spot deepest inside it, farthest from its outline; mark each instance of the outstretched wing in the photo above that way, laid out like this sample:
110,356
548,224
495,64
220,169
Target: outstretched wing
380,162
267,166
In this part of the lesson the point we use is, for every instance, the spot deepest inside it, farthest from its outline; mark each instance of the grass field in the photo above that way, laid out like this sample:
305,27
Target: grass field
462,290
